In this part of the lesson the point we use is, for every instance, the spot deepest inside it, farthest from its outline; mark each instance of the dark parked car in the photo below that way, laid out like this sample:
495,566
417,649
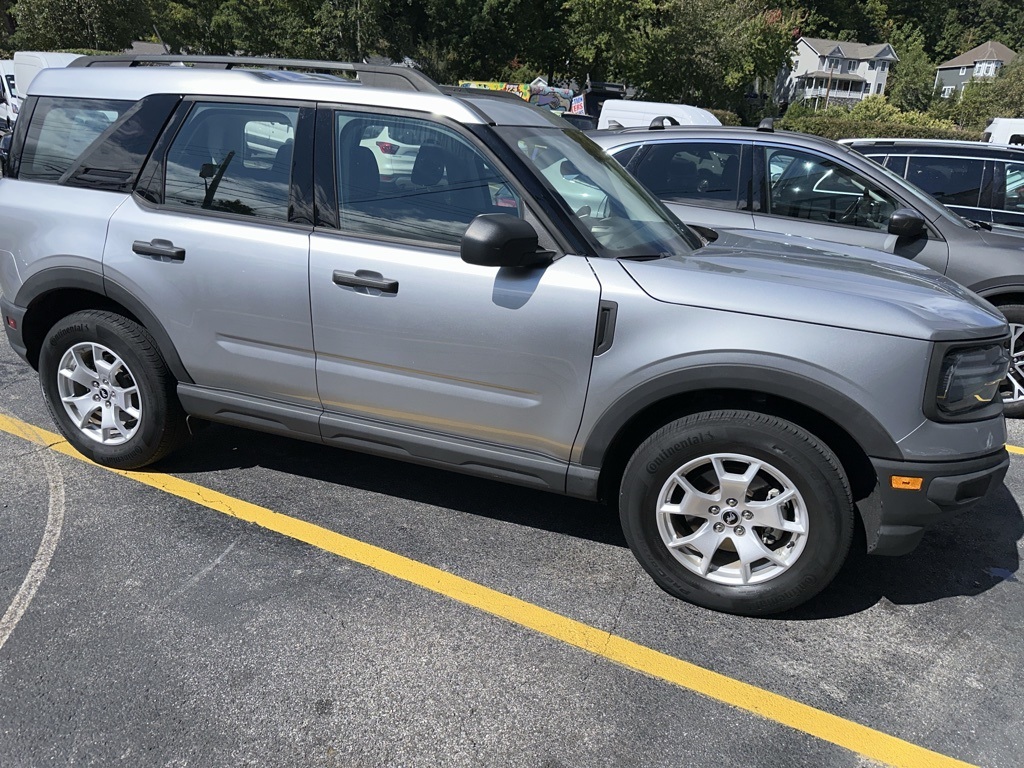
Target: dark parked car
981,182
796,184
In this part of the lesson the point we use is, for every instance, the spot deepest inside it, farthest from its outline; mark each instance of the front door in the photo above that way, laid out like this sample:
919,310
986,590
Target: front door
411,339
806,194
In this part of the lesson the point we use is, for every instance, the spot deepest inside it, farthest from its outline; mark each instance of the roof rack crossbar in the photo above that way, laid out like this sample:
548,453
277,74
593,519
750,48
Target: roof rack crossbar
373,75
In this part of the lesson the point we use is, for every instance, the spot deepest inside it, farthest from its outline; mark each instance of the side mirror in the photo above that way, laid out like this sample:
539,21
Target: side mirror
502,240
906,222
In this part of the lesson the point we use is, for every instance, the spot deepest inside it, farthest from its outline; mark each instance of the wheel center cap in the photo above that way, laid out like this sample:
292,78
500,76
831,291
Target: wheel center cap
104,393
729,517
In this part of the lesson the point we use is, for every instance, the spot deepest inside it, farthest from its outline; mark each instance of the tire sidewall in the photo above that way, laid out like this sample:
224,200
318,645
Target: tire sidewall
94,327
829,526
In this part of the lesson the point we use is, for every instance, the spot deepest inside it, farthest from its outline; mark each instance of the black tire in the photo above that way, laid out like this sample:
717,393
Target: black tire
785,458
141,382
1013,386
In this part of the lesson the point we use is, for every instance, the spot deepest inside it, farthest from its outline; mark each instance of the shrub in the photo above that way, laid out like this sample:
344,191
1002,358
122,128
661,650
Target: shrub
832,127
726,117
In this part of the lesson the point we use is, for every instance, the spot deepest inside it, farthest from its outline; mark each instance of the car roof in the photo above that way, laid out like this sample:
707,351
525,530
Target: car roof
623,137
942,146
131,78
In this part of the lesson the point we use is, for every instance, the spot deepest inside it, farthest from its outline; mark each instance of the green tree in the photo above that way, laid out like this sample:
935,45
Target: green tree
912,81
97,24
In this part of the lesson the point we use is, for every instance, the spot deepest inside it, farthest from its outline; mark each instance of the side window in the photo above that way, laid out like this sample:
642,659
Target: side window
624,156
950,180
807,186
61,132
1014,200
233,158
413,179
706,173
897,164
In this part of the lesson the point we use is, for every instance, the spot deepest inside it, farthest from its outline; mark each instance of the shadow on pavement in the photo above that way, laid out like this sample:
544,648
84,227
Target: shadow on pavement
965,556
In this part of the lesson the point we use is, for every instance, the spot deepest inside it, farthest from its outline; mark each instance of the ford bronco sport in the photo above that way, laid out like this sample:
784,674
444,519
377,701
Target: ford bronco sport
215,241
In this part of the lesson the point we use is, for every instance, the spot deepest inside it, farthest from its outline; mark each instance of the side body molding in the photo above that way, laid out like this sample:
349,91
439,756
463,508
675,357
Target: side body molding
851,416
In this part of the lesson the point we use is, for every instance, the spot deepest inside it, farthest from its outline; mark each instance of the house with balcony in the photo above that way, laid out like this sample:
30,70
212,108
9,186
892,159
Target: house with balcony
836,72
981,62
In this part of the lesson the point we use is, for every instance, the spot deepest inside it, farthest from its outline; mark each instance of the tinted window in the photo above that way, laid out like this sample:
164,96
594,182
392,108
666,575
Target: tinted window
233,158
896,164
624,156
413,179
703,172
807,186
950,180
62,130
1014,200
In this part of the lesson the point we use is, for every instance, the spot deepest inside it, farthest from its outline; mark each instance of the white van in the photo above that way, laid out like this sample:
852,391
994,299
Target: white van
10,101
27,64
1005,130
620,113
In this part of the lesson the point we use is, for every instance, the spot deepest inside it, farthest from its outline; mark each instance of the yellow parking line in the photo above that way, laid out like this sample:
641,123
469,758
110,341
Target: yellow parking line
801,717
1014,449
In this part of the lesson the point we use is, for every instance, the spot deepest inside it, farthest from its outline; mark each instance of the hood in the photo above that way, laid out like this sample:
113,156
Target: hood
809,281
1003,236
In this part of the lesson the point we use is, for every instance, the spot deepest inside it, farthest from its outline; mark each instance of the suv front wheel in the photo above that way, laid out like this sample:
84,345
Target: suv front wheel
109,390
737,511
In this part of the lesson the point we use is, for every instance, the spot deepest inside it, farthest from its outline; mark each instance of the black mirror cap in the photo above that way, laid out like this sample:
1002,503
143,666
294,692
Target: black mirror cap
906,222
502,240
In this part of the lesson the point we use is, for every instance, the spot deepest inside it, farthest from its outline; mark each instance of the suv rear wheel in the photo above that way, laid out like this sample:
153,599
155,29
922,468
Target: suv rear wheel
109,390
737,511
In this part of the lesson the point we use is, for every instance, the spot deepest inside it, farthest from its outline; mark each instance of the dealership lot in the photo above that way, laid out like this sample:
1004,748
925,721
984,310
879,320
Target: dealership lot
142,627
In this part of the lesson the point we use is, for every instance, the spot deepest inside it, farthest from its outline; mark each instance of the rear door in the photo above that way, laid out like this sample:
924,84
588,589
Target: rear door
703,182
208,244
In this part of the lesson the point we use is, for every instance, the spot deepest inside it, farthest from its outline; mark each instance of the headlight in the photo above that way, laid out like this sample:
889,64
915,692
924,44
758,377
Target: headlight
969,379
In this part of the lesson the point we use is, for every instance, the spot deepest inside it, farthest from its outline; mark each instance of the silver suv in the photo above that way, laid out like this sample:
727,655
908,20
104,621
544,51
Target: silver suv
214,241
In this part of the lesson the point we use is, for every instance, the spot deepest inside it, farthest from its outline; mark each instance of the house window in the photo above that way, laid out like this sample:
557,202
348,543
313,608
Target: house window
851,65
878,88
834,64
947,91
963,71
871,66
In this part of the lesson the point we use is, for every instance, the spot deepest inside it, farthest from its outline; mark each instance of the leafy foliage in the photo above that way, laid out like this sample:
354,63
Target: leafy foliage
832,127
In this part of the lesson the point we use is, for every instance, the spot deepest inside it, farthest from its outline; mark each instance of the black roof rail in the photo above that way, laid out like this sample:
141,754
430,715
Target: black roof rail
373,75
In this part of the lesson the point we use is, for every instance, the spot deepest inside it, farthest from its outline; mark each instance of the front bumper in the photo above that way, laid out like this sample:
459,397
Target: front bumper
895,520
10,313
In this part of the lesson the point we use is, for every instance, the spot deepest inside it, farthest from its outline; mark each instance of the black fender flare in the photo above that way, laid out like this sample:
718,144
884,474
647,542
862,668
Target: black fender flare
863,427
53,279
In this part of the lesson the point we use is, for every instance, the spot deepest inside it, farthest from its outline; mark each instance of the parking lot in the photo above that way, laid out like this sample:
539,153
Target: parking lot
261,601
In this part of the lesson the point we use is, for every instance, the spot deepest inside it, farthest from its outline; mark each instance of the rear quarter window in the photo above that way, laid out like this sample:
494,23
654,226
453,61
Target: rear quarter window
62,130
93,143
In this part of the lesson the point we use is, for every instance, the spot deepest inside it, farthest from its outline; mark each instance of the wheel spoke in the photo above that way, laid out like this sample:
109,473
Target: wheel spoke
82,407
732,485
80,373
768,514
750,549
705,540
693,504
1015,376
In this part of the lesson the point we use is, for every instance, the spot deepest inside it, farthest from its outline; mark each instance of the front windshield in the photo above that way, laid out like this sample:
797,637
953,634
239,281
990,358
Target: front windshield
621,219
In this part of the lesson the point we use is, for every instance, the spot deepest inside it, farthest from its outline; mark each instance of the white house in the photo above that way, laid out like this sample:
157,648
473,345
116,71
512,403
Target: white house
834,71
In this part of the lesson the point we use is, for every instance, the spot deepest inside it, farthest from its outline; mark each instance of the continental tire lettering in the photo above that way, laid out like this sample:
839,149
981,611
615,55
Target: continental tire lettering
77,328
783,597
671,451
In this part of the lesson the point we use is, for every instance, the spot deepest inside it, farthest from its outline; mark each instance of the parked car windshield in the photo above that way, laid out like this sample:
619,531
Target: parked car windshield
621,218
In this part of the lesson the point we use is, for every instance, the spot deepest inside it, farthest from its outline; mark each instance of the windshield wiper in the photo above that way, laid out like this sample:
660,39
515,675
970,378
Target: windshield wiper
644,256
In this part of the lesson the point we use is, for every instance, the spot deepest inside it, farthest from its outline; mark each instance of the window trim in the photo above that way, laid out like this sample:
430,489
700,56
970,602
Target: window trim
152,180
326,181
